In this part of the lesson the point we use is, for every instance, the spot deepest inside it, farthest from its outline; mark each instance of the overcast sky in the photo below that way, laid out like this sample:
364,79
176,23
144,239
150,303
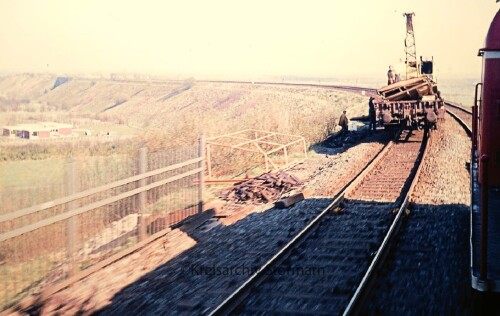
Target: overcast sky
239,38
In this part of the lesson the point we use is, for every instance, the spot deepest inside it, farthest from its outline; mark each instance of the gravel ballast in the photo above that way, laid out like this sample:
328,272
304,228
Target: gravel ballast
428,271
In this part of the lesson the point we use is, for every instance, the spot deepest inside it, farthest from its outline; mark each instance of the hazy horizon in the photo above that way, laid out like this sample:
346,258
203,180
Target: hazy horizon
227,39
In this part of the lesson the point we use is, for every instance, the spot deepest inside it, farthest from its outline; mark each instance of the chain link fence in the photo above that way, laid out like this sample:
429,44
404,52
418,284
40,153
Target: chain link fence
88,210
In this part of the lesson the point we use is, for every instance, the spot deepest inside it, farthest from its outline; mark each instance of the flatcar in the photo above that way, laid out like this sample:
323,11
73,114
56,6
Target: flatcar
485,178
411,103
410,114
414,102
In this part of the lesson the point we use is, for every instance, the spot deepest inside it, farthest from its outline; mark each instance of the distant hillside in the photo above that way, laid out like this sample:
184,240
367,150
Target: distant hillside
24,87
178,111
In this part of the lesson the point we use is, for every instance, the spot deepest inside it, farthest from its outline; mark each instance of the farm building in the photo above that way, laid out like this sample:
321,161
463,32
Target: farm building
34,131
59,129
38,131
18,129
9,131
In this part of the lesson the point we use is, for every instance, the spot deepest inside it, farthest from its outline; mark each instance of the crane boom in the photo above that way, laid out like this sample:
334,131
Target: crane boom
410,49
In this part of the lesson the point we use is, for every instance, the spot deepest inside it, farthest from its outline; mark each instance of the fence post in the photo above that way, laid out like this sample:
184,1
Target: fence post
209,161
71,226
305,148
201,154
143,166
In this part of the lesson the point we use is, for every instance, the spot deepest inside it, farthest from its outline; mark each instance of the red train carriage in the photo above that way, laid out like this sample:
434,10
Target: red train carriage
485,171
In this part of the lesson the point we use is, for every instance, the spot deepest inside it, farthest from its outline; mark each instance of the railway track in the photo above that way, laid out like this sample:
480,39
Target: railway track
327,268
368,91
462,115
332,248
427,270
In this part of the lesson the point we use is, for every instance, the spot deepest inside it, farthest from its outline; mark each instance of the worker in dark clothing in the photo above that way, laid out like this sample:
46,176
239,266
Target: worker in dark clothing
343,121
372,115
390,76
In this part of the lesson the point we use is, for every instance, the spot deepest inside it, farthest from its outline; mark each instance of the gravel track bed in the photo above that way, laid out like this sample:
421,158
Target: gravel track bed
202,272
184,284
337,254
329,169
386,180
428,271
341,247
165,274
445,179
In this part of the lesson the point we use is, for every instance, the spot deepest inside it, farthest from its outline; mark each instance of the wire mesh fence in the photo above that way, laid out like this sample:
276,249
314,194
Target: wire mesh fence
89,210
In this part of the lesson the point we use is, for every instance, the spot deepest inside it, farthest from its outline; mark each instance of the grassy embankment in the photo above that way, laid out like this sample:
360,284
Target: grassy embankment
158,115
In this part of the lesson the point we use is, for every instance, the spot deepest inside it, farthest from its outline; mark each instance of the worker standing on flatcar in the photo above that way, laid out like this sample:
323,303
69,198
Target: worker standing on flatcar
372,115
390,76
343,122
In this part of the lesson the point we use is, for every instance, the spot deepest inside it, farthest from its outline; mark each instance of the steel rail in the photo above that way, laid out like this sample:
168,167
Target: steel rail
361,294
234,299
363,290
466,127
326,86
468,130
456,106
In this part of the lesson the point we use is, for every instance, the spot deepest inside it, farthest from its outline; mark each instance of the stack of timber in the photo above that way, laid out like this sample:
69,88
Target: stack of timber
411,89
262,189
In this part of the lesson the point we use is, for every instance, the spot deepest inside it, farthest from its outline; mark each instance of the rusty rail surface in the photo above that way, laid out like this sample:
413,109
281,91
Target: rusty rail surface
359,298
359,301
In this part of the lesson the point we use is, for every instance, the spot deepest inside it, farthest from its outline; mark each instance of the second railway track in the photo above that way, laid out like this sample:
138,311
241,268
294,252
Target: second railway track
462,115
326,267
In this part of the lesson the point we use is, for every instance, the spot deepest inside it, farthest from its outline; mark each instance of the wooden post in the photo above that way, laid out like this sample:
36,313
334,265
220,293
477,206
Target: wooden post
209,161
267,163
143,166
201,182
71,223
305,148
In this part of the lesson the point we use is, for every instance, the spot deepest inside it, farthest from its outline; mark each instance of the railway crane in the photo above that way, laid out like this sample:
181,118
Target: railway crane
414,102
